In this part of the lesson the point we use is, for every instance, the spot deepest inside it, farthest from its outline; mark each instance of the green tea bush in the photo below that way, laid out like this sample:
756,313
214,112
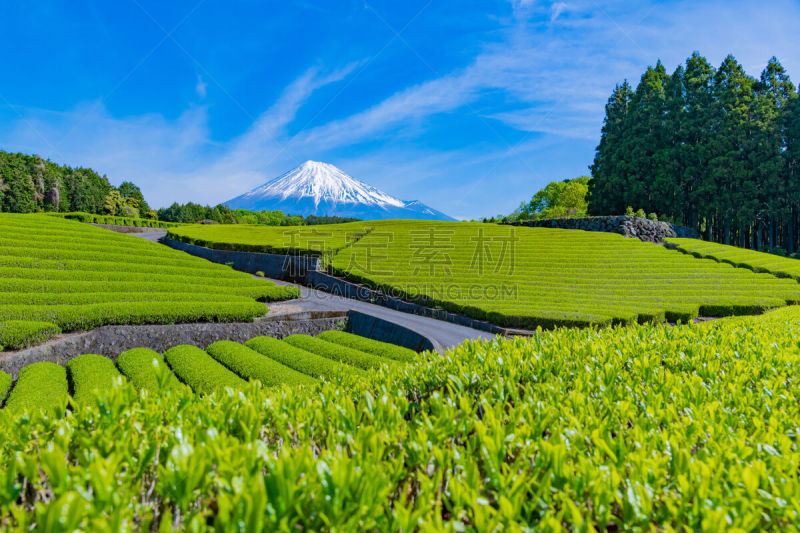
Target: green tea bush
641,428
249,364
200,371
519,277
89,373
363,344
18,334
77,276
739,257
5,384
337,352
84,317
301,360
145,368
39,387
119,221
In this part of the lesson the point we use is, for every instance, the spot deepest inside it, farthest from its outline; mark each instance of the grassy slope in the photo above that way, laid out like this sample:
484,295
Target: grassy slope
79,277
529,276
740,257
631,428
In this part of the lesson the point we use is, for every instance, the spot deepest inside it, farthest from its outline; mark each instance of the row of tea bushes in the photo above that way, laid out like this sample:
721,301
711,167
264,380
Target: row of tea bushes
640,428
224,364
519,276
76,277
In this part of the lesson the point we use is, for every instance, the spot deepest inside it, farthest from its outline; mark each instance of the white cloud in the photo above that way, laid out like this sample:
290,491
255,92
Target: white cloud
201,87
553,80
556,9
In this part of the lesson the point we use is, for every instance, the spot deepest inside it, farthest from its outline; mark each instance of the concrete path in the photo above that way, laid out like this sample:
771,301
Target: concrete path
150,235
442,334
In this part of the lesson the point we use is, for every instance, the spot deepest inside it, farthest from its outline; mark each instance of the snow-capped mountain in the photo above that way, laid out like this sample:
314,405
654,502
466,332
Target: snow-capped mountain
316,188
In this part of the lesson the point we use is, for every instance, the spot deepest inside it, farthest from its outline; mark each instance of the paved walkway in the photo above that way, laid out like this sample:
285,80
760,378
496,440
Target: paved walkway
442,334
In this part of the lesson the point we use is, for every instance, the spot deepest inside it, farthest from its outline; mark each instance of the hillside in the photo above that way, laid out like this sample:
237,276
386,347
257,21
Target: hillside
78,277
519,276
689,427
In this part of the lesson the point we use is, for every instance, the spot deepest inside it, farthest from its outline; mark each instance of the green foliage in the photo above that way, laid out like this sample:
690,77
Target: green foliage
520,277
39,386
5,384
19,334
363,344
783,267
199,370
338,352
79,277
301,360
29,184
270,239
90,373
192,213
558,199
249,364
687,427
714,149
115,220
145,368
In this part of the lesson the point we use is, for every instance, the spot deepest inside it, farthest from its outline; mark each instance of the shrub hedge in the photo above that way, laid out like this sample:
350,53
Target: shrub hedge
84,317
301,360
89,373
520,277
337,352
642,428
145,368
40,386
249,364
5,384
363,344
199,370
114,220
77,276
19,334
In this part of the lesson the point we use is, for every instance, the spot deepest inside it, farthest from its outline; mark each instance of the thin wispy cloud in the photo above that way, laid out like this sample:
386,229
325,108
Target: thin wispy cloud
475,138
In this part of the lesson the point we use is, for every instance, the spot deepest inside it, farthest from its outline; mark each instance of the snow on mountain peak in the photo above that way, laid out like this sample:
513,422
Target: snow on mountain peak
316,188
322,182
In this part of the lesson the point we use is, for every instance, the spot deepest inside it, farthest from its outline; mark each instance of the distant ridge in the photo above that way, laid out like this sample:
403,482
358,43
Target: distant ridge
315,188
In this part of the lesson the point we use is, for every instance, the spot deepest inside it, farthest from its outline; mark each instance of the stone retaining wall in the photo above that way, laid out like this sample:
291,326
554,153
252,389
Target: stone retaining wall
111,341
275,266
379,329
304,270
628,226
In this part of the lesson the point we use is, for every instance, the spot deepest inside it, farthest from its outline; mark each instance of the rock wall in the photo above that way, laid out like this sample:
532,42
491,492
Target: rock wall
111,341
628,226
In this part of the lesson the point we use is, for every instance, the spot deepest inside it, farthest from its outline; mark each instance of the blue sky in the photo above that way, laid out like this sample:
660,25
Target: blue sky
468,106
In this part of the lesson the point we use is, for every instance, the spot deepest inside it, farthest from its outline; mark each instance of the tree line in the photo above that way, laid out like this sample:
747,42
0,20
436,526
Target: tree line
191,213
30,184
711,148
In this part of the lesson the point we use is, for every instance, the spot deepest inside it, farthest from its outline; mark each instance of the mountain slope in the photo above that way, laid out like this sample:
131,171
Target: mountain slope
316,188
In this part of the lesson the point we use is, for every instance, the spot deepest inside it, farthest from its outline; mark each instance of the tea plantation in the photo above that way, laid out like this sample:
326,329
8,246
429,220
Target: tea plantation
741,257
523,277
59,275
690,427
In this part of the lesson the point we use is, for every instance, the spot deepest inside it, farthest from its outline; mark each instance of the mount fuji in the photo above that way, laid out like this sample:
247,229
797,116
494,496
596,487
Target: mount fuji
316,188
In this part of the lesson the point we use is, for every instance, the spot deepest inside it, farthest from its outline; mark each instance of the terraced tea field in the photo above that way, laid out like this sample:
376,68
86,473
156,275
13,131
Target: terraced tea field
59,275
526,277
740,257
297,360
690,427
